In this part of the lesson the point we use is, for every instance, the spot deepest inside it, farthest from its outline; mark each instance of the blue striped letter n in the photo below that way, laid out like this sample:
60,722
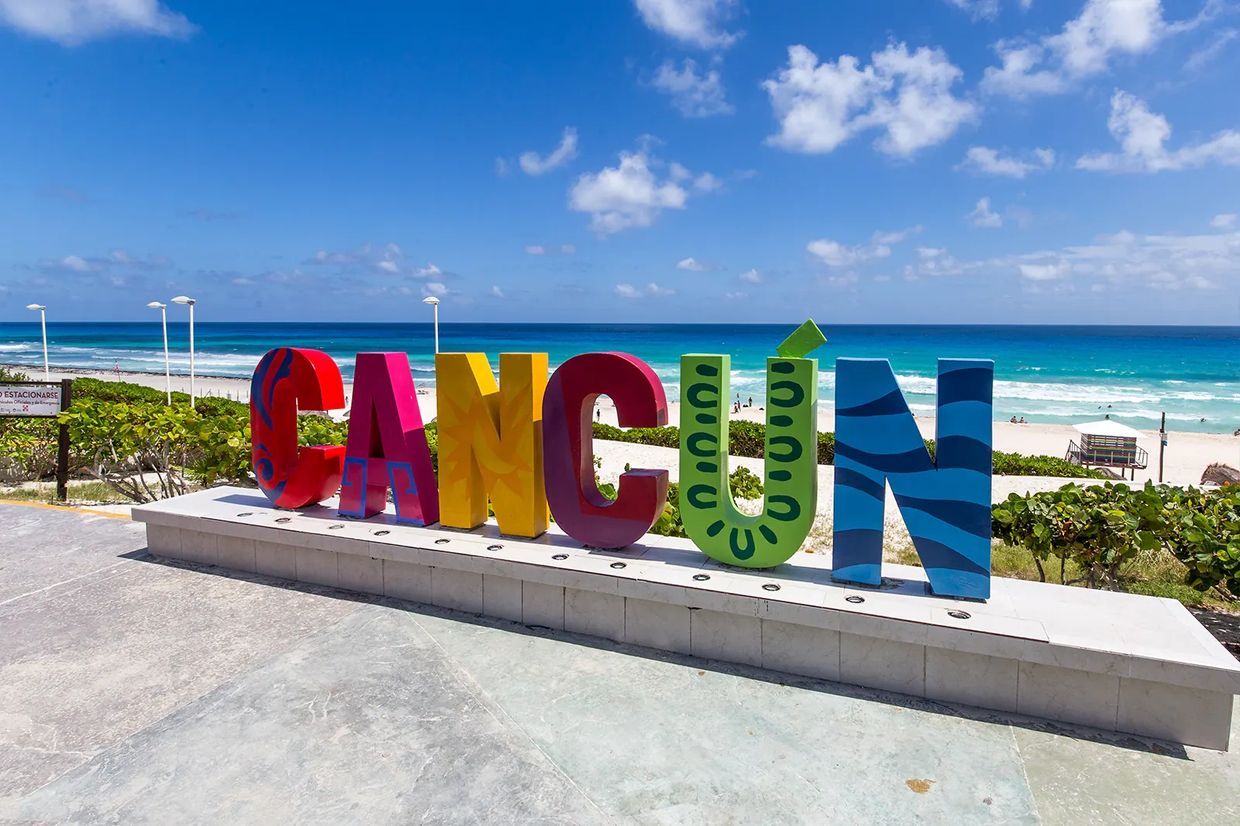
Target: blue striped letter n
945,501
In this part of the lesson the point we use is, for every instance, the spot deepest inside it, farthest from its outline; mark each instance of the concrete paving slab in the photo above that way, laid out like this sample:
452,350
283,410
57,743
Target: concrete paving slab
365,722
143,692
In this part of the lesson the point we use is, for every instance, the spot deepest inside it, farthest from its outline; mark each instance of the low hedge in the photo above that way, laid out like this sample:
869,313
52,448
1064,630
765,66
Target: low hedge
748,439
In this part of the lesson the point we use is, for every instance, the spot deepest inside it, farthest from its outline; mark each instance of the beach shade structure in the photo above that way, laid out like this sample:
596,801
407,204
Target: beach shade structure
189,302
163,315
1108,443
47,373
434,302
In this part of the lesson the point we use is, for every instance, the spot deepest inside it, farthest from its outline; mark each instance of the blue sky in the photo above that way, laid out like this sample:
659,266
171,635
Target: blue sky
623,160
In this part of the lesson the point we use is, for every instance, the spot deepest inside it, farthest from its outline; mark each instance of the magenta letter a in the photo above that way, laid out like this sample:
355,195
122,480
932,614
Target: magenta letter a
387,445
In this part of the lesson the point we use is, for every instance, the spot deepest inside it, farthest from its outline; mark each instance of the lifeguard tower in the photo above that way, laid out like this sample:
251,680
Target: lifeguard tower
1108,443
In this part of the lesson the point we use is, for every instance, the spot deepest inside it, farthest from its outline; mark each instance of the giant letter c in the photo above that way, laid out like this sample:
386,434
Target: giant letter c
568,454
284,380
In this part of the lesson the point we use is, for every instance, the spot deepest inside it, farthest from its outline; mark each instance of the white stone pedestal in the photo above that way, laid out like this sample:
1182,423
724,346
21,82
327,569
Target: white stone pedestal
1113,661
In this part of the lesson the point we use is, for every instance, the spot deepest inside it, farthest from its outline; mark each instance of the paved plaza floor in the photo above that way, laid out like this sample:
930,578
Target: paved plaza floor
134,690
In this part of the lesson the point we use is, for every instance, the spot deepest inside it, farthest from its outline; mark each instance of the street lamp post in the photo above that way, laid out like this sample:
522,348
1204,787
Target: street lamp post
434,302
163,316
185,299
47,373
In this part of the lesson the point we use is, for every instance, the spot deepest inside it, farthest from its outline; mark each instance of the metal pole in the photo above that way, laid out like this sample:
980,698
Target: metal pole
62,443
1162,445
47,373
163,314
191,355
436,329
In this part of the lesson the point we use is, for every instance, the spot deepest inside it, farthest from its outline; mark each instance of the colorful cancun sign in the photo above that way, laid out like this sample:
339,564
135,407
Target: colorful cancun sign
524,446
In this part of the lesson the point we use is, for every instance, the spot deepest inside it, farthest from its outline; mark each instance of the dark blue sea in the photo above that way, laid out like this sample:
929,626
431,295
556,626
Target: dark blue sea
1044,373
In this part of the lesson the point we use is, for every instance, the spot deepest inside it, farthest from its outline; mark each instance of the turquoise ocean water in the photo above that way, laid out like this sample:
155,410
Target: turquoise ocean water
1044,373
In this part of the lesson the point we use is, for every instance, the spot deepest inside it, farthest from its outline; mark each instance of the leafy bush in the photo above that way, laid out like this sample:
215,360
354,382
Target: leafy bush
1017,464
137,449
1103,528
657,436
746,438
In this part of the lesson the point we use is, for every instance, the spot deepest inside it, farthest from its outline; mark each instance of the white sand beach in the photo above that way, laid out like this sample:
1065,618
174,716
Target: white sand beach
1187,454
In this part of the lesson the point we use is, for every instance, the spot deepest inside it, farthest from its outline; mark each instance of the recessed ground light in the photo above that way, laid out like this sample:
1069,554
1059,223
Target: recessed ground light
495,547
770,586
246,513
855,600
701,577
959,614
284,519
618,565
559,556
382,533
334,527
442,541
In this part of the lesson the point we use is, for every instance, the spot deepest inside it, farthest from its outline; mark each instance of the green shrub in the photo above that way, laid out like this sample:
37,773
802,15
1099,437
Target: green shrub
746,438
1103,528
1016,464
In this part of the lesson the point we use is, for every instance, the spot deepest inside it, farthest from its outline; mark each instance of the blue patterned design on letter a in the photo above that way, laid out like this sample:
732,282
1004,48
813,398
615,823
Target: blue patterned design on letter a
945,502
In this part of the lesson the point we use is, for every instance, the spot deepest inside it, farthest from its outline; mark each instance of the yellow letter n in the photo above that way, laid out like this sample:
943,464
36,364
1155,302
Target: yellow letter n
490,441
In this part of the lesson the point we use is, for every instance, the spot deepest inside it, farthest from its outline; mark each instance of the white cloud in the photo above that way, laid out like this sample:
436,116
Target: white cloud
435,288
496,292
990,162
501,167
736,295
706,182
984,9
1045,272
567,249
73,22
982,216
1085,47
895,236
1121,262
1204,56
533,164
630,194
1143,136
751,277
691,265
833,253
837,255
906,95
1126,260
697,22
651,290
1226,220
536,249
76,263
694,94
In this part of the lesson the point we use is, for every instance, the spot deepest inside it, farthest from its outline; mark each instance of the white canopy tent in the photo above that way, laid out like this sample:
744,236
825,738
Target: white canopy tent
1107,427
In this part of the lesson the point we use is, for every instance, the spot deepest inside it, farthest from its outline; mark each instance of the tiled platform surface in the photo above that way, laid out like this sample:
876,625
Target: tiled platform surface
1113,661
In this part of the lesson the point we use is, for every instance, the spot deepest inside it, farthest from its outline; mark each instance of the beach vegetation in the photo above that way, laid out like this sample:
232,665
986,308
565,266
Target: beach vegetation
1114,536
748,439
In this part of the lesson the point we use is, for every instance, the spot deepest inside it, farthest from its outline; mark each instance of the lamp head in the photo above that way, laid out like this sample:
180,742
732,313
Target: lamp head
182,299
155,305
430,299
35,307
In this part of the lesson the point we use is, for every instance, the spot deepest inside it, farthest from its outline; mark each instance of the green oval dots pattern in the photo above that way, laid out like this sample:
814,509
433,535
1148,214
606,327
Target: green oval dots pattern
790,467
